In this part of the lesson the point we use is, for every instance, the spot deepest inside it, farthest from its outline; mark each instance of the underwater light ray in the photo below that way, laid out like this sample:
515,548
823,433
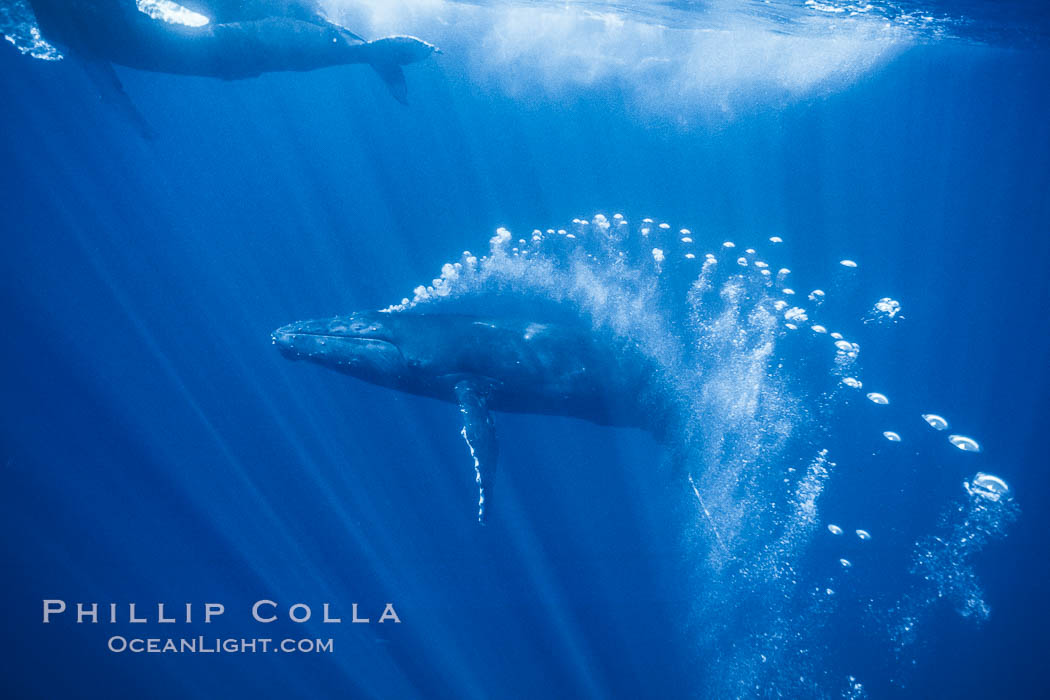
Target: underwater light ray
571,639
277,527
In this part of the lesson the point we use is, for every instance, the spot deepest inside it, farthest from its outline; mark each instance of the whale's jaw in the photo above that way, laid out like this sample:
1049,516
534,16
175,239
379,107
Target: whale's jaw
344,344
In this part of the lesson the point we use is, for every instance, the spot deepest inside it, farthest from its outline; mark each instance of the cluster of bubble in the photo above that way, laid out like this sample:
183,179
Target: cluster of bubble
653,248
885,310
608,273
961,442
944,561
569,264
632,280
836,530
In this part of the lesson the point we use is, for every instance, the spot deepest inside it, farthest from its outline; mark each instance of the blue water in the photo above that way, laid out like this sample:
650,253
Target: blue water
157,448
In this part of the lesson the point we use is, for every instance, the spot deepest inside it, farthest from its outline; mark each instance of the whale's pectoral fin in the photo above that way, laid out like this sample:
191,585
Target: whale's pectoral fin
388,54
112,91
480,434
394,78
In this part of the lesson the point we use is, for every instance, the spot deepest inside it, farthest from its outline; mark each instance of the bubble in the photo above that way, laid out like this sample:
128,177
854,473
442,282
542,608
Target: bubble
748,419
665,226
776,239
684,231
836,335
729,244
686,239
502,236
741,261
788,291
847,263
966,444
888,306
935,421
987,486
944,561
891,436
878,398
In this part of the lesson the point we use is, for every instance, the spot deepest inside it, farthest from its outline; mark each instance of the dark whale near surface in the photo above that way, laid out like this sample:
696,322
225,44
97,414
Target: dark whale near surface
99,33
486,364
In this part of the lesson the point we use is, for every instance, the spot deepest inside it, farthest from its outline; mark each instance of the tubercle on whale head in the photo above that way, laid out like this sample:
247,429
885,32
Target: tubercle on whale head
360,345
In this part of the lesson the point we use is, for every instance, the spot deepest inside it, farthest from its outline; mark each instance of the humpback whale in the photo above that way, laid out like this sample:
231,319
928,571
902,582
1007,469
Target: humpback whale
486,364
171,38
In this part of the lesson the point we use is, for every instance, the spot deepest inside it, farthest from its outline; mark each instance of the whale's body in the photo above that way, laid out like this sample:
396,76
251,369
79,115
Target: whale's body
230,50
100,33
486,364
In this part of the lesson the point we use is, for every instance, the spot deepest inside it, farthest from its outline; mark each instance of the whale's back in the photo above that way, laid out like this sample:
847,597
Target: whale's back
537,367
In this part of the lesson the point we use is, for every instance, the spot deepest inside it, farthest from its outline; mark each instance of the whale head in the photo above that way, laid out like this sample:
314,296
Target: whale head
362,345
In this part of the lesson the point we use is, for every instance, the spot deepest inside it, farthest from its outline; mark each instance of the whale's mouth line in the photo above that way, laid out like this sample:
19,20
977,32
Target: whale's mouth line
331,335
334,336
287,339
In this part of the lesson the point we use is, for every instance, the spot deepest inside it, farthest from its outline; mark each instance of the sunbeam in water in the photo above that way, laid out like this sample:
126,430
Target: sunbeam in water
733,344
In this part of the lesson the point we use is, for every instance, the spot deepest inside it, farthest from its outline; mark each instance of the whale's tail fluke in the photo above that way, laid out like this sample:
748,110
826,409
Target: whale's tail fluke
389,54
